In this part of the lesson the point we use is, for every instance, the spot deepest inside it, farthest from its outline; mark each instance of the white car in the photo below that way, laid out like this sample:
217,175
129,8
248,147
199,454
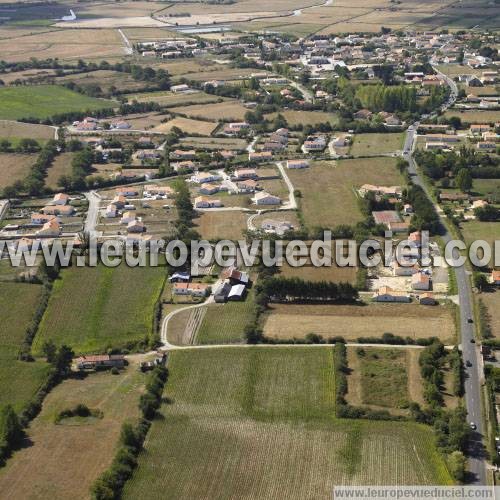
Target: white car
473,426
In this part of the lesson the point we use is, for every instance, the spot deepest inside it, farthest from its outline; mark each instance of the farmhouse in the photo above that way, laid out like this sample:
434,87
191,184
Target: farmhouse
298,163
264,198
100,361
387,294
420,281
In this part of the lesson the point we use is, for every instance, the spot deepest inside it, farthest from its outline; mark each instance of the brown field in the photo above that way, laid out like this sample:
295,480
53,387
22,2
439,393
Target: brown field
305,117
219,72
329,188
145,121
64,459
492,301
474,116
14,167
14,129
8,78
221,225
60,166
183,67
64,44
104,78
147,33
312,273
125,9
187,125
354,321
228,110
483,91
217,143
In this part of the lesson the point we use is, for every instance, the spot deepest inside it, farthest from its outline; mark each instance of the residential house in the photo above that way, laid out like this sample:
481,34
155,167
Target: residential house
66,210
103,361
180,154
209,189
204,177
297,164
245,173
50,228
126,192
193,289
420,281
204,202
247,186
176,89
136,226
39,218
276,227
478,129
156,190
237,292
260,156
111,211
60,199
495,277
363,114
264,198
127,217
486,146
427,299
387,294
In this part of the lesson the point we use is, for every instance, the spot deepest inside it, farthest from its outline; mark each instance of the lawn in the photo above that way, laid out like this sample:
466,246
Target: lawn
64,460
376,144
19,380
43,101
258,422
328,188
94,308
216,226
285,321
14,167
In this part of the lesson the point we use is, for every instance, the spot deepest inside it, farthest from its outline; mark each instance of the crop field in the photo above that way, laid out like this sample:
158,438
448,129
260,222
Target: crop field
474,116
259,422
329,188
172,99
14,130
376,144
19,380
294,118
225,323
43,101
285,321
93,308
227,110
187,125
60,166
14,167
64,459
67,44
221,225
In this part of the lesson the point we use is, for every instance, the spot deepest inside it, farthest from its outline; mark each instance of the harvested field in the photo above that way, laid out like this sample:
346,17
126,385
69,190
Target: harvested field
187,125
93,308
217,143
15,130
227,110
14,167
328,188
65,44
43,101
221,225
64,459
376,144
60,166
171,99
295,118
285,321
256,420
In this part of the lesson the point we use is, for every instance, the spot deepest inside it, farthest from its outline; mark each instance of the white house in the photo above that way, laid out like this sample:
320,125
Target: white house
264,198
387,294
298,163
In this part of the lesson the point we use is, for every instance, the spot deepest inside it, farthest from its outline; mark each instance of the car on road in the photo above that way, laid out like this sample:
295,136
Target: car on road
473,341
468,363
473,426
470,320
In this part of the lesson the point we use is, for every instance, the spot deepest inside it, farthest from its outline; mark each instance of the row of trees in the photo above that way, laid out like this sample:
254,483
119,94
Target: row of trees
425,216
384,98
81,166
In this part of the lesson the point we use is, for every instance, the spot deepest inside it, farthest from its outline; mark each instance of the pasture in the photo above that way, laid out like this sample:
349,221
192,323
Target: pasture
94,308
14,167
43,101
259,422
376,144
64,459
227,110
285,321
328,188
19,380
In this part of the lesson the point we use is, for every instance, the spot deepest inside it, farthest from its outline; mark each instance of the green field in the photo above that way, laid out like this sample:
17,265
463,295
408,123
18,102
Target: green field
18,380
376,144
226,323
328,188
92,309
255,422
43,101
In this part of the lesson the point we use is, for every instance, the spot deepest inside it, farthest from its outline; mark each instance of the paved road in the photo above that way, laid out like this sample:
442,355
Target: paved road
92,213
292,202
129,50
307,94
470,352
